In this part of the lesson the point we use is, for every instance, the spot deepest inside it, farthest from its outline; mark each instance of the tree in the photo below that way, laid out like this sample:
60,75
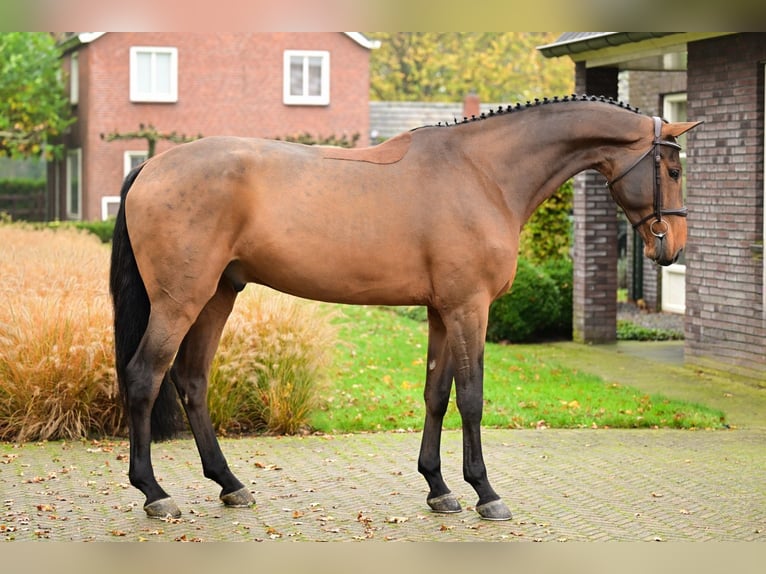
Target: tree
445,66
34,108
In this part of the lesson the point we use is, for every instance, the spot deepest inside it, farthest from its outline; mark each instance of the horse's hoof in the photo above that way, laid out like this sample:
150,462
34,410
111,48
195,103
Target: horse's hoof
444,504
494,510
162,508
238,499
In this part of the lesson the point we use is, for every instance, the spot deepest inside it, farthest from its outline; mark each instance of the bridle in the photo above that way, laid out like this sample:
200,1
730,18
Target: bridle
658,212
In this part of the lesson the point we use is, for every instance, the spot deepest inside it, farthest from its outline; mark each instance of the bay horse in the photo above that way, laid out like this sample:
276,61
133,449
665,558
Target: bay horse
430,218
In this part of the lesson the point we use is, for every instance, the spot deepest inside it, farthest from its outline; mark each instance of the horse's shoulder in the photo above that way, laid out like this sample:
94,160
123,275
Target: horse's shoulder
390,151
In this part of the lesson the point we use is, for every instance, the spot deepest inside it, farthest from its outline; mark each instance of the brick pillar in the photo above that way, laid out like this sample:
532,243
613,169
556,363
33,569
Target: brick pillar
471,105
595,235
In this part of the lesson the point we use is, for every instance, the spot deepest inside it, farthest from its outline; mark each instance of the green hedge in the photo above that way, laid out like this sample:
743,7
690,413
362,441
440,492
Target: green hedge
102,229
538,305
21,186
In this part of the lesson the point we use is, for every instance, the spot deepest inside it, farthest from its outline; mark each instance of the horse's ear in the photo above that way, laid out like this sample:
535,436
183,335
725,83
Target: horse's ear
677,128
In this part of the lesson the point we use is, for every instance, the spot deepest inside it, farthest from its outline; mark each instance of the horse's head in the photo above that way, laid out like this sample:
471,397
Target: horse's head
649,191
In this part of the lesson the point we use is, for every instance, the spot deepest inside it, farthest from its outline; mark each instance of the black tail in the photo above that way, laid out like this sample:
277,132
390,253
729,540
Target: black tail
131,316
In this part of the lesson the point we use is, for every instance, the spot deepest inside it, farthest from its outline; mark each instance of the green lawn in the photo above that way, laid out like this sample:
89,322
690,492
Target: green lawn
377,381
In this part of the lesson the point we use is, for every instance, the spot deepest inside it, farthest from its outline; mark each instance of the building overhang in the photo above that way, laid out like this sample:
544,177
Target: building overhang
647,51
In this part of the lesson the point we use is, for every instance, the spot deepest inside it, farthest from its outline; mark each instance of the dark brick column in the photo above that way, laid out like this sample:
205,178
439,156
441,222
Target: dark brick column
595,235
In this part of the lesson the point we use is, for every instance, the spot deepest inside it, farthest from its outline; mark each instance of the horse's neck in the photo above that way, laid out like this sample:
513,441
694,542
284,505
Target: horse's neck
530,155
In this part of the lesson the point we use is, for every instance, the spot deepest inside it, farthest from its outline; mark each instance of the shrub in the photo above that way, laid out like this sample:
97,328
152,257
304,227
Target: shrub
101,229
270,364
561,270
629,331
548,233
23,199
527,310
22,186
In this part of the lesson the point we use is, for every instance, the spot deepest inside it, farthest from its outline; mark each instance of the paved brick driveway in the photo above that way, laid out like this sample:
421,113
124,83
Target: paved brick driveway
562,485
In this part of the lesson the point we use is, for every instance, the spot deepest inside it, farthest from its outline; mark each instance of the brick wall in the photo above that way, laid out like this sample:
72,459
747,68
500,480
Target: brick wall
595,235
724,300
228,84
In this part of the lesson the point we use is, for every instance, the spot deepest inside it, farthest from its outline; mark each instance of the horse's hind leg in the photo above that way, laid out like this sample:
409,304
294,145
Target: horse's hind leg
144,375
190,375
439,375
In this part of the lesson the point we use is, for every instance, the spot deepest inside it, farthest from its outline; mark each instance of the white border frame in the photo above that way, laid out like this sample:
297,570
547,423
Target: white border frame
106,201
71,214
672,275
126,159
74,78
324,98
135,94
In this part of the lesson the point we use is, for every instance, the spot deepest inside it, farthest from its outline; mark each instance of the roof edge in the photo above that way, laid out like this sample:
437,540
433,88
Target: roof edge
597,41
363,40
76,40
79,39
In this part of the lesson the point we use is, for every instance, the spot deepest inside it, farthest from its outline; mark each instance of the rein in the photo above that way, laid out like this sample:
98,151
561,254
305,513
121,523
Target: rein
658,210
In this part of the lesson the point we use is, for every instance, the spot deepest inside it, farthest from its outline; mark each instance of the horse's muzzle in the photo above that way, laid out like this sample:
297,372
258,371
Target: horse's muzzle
660,253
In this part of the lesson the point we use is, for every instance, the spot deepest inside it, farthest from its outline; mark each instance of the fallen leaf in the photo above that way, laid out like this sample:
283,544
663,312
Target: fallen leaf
118,533
396,519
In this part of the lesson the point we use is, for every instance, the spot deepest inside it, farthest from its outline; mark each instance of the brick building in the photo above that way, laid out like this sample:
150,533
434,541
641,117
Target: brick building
718,78
257,85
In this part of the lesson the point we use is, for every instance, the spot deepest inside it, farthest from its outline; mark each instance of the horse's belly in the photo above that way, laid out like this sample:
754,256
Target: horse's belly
339,274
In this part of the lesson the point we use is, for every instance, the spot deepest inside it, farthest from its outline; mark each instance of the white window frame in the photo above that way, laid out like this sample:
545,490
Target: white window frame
323,99
673,297
127,161
77,154
106,202
136,95
74,79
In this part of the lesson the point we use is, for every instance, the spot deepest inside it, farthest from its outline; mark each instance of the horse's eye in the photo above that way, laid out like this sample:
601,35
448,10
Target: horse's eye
675,173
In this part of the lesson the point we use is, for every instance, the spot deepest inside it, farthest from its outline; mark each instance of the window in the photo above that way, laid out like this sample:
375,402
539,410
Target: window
153,74
73,183
306,78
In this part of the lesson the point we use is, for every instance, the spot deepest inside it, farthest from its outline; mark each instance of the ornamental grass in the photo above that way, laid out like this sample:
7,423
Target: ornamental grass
56,346
57,378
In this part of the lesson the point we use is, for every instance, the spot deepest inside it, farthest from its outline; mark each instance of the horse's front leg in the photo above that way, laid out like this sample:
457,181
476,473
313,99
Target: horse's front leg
466,330
439,374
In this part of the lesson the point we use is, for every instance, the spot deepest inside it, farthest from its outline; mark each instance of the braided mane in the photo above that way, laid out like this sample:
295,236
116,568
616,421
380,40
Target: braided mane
531,104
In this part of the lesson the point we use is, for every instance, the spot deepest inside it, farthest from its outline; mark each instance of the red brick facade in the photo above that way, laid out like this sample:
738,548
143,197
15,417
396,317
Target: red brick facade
725,318
227,84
